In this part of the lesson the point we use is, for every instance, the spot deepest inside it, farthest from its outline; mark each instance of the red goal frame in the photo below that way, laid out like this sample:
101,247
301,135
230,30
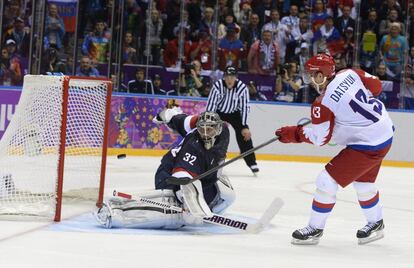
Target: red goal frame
61,161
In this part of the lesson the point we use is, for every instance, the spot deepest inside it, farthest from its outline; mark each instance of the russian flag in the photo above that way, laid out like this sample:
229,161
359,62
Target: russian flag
321,207
67,11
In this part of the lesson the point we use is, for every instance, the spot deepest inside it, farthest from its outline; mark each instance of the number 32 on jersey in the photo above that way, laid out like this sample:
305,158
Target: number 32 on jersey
190,158
187,157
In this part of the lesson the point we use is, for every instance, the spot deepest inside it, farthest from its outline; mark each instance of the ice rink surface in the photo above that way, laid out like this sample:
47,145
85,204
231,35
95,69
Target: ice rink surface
79,242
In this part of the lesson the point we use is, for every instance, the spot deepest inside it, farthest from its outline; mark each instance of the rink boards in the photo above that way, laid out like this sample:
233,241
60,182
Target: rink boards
132,131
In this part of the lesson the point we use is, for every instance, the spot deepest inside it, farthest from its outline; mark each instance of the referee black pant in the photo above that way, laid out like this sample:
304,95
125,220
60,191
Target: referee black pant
235,120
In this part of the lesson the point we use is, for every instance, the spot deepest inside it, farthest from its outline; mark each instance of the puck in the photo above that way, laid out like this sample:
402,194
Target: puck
121,156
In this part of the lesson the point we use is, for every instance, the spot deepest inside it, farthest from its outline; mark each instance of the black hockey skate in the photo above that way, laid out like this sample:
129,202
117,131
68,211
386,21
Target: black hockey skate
307,236
370,232
254,169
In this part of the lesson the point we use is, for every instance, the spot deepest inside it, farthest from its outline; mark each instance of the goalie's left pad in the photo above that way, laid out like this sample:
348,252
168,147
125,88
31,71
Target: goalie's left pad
124,213
195,206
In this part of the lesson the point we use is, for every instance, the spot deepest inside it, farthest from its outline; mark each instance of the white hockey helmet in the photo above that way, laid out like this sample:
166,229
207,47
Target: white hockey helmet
209,126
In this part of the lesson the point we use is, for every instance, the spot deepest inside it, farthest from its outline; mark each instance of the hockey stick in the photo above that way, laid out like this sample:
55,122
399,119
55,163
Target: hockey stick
220,220
148,201
251,228
186,180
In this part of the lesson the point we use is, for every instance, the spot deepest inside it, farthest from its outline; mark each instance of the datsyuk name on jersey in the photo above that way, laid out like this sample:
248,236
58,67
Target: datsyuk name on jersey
342,88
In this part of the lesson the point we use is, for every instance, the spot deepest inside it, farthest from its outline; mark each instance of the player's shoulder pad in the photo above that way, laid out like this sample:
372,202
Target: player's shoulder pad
371,82
343,70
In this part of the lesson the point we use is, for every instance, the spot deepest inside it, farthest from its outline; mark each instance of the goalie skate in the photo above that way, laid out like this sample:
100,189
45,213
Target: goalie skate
307,236
371,232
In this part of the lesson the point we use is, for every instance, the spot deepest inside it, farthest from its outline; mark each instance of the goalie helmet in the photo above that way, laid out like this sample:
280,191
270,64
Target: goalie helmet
209,126
320,63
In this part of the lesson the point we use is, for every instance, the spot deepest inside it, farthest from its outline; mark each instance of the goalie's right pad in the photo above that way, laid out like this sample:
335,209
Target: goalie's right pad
225,195
125,213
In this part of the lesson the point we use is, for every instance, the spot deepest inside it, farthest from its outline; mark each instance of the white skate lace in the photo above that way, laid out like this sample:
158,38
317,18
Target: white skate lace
307,230
368,227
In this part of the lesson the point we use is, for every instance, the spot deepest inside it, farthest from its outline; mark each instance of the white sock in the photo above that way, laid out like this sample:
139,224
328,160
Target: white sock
368,197
322,206
324,200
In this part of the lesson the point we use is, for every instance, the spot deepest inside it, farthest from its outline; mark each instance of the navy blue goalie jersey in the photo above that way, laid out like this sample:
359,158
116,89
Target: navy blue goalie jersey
190,155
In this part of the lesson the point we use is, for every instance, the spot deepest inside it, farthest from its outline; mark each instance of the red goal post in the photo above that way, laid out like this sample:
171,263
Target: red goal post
55,146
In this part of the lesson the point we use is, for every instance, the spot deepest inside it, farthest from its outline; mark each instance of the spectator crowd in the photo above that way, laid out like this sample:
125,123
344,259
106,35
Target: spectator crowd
259,37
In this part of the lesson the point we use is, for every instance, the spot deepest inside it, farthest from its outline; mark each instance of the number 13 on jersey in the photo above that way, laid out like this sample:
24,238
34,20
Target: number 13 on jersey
362,98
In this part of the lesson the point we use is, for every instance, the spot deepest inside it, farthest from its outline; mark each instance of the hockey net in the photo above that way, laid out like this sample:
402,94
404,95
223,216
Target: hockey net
55,146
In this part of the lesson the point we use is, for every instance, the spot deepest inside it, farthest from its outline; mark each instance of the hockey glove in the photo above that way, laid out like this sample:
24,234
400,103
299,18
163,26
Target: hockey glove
289,134
165,115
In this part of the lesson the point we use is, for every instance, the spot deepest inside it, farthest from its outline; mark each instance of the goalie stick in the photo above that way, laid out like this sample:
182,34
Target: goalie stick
252,228
186,180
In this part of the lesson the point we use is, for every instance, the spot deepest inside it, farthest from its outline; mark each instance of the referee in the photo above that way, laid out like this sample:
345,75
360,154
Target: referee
229,98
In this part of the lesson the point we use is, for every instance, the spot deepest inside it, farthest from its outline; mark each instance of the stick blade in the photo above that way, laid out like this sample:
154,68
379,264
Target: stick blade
267,216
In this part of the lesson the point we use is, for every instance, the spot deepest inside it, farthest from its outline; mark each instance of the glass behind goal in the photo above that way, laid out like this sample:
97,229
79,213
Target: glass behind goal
55,145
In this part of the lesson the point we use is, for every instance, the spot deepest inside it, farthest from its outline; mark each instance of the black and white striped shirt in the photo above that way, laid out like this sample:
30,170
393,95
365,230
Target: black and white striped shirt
225,100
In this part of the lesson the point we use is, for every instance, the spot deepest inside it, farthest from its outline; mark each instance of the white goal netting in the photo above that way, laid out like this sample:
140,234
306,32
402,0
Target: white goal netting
30,150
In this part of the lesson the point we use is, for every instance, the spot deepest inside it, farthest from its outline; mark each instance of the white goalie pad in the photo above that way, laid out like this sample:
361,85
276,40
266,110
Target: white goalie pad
225,195
195,205
124,213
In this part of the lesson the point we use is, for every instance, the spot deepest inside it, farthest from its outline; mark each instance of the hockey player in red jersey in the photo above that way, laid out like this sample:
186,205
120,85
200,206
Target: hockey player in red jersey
348,113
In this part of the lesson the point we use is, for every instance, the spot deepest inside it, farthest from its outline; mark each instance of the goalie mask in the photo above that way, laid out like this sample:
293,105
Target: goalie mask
209,126
318,70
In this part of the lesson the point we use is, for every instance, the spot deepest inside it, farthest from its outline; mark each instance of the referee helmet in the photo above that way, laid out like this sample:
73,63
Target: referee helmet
230,71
